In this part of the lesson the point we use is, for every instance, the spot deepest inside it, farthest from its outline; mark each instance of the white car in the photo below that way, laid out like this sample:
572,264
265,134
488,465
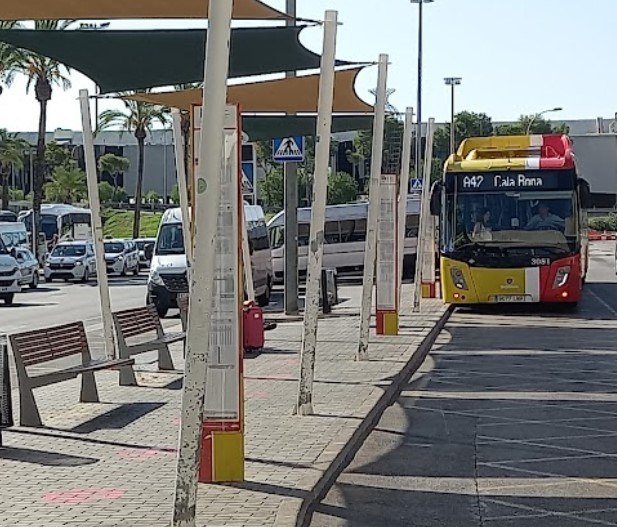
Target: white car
28,266
121,257
10,275
71,261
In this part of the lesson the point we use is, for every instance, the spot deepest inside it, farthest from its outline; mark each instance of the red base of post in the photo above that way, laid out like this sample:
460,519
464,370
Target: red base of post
387,323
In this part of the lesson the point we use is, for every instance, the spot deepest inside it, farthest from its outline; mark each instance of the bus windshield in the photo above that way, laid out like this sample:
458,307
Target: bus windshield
170,240
517,219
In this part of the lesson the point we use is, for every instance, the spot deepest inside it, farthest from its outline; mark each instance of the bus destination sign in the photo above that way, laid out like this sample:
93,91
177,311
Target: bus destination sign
514,181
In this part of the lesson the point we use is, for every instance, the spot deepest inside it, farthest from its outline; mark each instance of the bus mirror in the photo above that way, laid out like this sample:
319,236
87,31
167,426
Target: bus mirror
436,198
584,193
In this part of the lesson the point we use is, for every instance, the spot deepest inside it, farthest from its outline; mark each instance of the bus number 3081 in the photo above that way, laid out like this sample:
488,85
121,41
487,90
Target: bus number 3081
540,261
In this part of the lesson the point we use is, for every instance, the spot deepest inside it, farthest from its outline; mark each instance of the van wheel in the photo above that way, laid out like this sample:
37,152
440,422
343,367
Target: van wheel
264,300
8,299
35,280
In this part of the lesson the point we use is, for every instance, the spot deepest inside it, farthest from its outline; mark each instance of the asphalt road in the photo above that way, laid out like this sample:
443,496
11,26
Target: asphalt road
511,422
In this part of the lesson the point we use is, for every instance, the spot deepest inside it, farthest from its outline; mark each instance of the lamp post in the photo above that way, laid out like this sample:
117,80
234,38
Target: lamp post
536,116
418,160
453,82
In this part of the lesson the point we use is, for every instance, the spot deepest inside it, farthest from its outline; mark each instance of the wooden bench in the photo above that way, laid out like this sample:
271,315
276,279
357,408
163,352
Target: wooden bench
141,322
42,346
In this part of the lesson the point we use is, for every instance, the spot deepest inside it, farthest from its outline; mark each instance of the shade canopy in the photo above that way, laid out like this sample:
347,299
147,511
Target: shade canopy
134,60
117,9
266,128
289,95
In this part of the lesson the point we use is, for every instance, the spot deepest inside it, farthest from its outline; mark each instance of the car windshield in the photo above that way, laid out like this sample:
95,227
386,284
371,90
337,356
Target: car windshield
114,247
170,240
69,250
140,244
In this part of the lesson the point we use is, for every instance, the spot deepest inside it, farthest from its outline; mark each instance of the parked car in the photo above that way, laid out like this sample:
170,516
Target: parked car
71,261
10,275
7,216
28,266
121,257
144,259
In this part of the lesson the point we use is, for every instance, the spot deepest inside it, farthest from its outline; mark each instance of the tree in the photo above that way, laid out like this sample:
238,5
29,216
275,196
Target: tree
272,190
12,152
9,57
139,118
107,192
539,125
341,189
114,165
68,185
43,73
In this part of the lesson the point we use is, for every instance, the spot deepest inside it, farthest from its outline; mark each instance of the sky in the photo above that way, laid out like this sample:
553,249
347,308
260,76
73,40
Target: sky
515,57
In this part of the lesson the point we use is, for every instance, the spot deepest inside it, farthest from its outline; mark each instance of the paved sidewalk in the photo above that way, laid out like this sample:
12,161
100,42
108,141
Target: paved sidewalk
113,464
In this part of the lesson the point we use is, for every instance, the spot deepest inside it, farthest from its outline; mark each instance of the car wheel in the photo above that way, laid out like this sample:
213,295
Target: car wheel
86,277
35,280
48,279
8,299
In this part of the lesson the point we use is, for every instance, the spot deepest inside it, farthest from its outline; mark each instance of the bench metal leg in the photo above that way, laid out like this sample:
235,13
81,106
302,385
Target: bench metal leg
28,409
165,362
127,376
89,393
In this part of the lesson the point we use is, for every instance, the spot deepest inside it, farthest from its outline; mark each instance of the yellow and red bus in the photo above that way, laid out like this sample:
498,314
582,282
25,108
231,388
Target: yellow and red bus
512,226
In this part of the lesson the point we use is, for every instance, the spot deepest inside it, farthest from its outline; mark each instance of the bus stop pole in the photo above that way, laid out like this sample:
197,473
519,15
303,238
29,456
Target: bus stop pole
182,183
423,230
97,226
323,136
402,195
370,251
207,199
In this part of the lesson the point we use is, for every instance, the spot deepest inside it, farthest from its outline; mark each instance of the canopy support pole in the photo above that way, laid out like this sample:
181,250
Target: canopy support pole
403,193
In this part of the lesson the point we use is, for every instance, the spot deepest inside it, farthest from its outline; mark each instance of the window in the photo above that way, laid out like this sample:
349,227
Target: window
258,236
69,250
304,232
170,240
358,234
114,247
277,237
411,226
332,233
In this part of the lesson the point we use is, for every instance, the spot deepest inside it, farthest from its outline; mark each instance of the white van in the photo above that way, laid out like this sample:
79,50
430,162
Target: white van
14,234
168,267
345,238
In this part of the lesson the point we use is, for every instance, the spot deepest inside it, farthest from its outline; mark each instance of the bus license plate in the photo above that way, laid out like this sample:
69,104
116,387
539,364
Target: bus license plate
510,298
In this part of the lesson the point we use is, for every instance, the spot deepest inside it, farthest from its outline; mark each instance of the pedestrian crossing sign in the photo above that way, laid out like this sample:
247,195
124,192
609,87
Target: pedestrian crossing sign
415,184
288,149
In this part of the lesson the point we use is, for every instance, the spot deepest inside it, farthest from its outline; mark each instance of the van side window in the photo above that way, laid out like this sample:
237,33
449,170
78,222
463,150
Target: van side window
277,237
258,235
358,233
303,234
332,233
412,225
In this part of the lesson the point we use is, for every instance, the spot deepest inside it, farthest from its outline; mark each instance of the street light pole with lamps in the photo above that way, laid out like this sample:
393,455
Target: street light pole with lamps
418,160
536,116
453,82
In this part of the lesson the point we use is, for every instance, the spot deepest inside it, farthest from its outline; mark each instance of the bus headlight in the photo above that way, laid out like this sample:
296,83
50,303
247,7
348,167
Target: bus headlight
458,278
562,276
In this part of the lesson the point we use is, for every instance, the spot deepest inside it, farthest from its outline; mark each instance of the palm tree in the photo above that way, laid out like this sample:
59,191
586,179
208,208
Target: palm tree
9,57
68,185
139,118
44,73
12,152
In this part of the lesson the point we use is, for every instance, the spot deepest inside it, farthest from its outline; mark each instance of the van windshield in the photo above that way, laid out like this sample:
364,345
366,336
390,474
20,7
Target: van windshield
114,247
170,240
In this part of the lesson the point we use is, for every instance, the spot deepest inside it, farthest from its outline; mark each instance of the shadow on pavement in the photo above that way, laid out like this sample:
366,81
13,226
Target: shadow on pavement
42,457
117,418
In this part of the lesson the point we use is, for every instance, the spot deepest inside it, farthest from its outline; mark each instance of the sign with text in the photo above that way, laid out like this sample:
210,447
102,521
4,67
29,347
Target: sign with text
511,181
387,259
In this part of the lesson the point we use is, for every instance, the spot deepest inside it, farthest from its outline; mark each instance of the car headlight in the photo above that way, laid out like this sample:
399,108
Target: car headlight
47,264
458,278
119,258
562,276
78,263
156,279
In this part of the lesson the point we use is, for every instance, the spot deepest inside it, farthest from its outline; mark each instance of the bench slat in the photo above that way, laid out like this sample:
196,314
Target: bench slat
68,342
48,344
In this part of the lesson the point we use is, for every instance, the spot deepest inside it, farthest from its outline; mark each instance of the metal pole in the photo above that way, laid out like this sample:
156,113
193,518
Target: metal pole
418,163
424,217
182,183
323,135
370,252
291,211
207,197
452,127
403,193
97,226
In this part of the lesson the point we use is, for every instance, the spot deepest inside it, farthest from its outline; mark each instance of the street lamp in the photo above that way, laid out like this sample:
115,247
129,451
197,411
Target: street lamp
533,119
418,163
453,82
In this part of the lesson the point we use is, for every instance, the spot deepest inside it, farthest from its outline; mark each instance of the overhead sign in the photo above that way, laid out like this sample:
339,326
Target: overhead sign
415,184
513,180
288,149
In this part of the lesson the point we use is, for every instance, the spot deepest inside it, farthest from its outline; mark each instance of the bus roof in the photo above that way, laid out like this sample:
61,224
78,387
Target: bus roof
516,152
349,211
57,210
251,213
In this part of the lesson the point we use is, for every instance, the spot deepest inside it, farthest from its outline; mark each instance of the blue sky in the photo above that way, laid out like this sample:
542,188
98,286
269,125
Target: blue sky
515,57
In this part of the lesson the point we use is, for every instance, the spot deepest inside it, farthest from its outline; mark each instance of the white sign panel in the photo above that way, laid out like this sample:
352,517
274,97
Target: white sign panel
222,400
386,245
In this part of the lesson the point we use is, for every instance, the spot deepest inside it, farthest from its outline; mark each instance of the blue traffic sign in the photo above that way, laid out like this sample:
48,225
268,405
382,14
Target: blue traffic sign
288,149
415,184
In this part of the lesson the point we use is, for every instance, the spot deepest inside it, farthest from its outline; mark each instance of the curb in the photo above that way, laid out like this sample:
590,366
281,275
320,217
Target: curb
303,512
